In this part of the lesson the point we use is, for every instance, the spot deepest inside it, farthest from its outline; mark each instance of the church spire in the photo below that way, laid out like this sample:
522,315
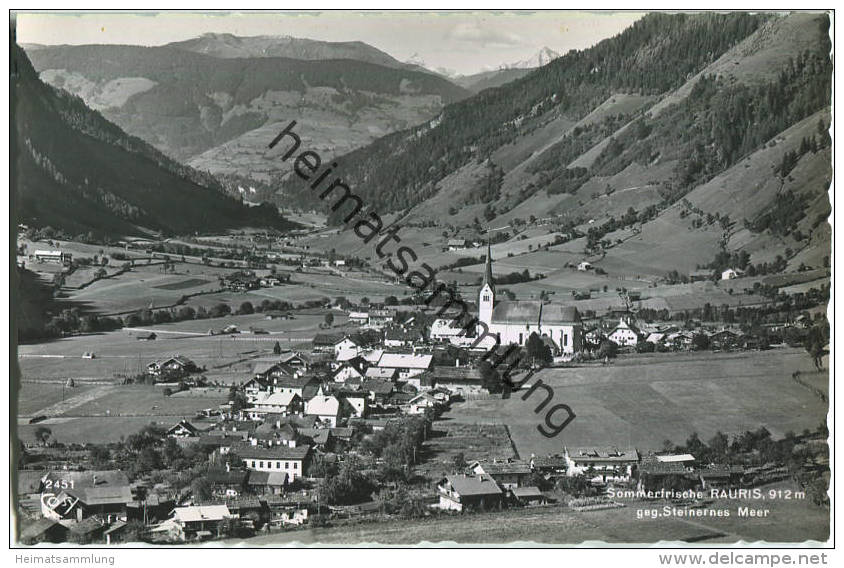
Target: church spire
488,268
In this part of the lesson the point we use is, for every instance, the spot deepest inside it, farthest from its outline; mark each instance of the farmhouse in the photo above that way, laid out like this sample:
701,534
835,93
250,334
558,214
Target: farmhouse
625,334
514,321
584,266
468,492
269,371
183,429
606,464
267,482
199,519
457,244
177,366
731,273
507,474
82,494
53,257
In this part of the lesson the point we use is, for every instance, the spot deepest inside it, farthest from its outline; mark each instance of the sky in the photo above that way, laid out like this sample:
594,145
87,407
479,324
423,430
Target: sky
461,42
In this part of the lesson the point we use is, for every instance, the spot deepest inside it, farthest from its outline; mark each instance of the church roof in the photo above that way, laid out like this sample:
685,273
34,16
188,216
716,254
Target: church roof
533,312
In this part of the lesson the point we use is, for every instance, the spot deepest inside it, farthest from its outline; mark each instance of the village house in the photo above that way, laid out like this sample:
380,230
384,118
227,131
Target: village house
358,318
601,464
325,342
281,403
469,492
53,257
355,367
459,380
292,461
325,407
398,337
457,244
446,329
78,495
174,367
266,482
731,273
625,334
377,390
242,281
226,482
379,318
196,521
304,386
272,433
508,474
378,373
528,495
548,466
346,348
42,530
407,365
269,372
420,403
183,429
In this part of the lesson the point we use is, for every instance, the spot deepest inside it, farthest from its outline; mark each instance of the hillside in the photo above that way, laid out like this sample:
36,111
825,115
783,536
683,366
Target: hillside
611,140
218,113
78,172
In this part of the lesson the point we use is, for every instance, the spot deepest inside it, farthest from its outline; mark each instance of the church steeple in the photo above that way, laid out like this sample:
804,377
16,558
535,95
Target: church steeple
486,297
488,268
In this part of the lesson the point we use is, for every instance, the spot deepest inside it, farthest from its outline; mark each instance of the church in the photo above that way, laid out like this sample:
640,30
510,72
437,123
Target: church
514,321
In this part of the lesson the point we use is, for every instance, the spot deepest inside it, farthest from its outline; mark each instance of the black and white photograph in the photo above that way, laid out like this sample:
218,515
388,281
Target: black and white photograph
400,278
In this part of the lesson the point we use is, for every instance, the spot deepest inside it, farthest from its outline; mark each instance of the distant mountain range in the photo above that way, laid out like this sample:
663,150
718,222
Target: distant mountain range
230,46
77,172
202,103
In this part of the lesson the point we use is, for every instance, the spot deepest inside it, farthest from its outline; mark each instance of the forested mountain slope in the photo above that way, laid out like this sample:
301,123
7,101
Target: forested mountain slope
78,172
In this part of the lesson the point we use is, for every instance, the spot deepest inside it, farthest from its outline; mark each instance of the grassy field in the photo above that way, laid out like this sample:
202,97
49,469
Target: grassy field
788,521
227,358
642,400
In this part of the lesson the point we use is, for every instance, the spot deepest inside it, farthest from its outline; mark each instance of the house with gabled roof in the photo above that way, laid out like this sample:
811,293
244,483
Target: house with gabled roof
469,492
602,464
408,365
282,403
506,473
82,494
183,429
177,366
625,334
355,367
325,407
420,403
